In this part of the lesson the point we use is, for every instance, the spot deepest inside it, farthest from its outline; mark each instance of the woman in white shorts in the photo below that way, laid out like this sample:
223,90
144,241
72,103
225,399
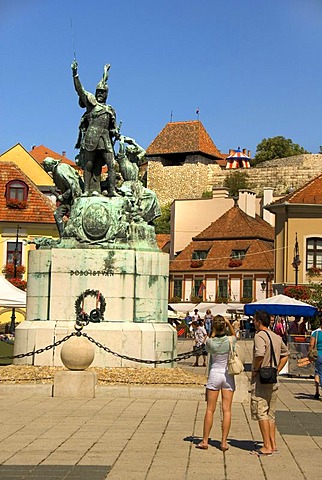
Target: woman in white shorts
218,380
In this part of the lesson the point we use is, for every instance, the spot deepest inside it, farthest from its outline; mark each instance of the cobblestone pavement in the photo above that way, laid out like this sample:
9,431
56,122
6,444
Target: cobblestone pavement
153,438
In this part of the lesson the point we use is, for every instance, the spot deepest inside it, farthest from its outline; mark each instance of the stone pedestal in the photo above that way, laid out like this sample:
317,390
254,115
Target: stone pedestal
74,384
134,284
148,341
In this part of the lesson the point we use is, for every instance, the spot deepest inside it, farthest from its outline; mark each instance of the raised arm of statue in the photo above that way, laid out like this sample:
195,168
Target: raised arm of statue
85,97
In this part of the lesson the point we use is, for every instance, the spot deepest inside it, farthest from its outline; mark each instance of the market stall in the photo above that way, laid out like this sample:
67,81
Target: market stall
298,344
11,297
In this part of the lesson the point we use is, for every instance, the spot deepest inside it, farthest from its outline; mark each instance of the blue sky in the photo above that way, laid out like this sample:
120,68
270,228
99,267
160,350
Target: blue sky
253,67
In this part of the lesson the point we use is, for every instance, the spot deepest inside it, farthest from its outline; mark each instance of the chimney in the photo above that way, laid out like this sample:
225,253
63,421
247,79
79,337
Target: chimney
244,151
247,202
220,192
249,153
63,153
267,200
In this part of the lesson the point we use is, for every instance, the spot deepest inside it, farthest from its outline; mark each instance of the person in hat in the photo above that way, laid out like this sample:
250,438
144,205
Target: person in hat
96,142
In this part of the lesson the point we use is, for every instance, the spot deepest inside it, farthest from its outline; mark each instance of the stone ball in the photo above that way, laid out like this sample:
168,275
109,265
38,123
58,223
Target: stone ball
77,353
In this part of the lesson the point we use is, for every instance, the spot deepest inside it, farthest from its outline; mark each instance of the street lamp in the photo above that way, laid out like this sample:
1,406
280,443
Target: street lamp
296,260
16,258
263,286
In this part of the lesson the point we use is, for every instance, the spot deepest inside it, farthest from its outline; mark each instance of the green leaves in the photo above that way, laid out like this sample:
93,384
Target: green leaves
277,147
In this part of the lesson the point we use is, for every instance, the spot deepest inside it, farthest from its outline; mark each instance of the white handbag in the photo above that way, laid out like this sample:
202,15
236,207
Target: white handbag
235,365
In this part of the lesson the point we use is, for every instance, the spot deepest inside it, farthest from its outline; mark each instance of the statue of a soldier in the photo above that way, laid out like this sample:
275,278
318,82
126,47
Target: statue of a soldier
68,183
97,139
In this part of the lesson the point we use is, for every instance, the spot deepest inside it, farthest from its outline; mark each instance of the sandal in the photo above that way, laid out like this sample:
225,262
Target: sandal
202,447
259,453
223,449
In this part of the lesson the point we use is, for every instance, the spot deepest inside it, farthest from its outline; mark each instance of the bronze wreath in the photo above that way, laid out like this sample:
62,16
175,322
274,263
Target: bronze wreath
80,314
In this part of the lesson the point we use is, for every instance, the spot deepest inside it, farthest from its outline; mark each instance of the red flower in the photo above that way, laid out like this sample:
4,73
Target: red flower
299,292
235,262
15,203
17,282
196,263
9,269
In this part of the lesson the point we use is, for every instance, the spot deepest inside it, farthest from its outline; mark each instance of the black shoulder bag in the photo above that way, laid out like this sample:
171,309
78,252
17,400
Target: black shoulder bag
269,374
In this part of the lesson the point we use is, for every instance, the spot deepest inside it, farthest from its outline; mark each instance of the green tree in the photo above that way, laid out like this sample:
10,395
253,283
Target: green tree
236,180
162,223
316,301
276,147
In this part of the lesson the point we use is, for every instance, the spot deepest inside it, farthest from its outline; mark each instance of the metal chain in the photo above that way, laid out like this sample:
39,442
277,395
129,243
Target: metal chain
78,333
41,350
180,356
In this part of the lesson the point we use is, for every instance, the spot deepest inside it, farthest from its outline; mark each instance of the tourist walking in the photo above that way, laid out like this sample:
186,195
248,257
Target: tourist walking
219,380
208,321
200,335
236,327
316,342
267,345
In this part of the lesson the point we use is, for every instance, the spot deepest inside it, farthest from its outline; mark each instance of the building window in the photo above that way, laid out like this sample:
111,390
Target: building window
247,288
16,190
177,287
11,247
223,288
199,254
314,253
238,254
197,289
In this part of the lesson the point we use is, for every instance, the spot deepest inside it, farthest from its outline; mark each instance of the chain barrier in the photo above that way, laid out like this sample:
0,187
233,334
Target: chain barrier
78,333
40,350
180,356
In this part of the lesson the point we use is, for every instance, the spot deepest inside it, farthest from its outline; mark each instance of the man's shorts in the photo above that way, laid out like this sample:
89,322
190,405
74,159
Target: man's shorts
263,401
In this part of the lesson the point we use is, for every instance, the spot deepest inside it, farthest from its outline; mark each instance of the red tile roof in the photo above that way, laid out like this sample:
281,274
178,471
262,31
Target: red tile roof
311,193
235,230
39,208
237,224
163,239
41,152
183,137
259,256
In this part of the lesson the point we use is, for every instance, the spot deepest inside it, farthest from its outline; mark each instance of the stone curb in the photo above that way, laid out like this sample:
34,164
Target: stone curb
136,391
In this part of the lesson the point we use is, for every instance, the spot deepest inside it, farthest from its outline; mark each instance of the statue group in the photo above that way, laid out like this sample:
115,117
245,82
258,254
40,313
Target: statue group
92,210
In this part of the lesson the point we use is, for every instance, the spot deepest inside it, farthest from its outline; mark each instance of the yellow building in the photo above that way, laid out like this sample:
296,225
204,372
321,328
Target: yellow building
298,235
25,213
20,157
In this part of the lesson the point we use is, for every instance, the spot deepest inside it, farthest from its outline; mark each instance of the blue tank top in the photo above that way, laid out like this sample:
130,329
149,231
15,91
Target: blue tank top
317,334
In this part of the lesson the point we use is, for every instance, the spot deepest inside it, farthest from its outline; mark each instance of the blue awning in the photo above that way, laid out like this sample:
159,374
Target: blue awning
281,305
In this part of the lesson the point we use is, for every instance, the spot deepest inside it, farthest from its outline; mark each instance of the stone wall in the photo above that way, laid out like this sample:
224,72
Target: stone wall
191,180
182,181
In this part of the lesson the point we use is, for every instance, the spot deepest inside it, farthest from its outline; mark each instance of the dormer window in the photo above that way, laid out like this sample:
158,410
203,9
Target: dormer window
16,194
238,254
199,254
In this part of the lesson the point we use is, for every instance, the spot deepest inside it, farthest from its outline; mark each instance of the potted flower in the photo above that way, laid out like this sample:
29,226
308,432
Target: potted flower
246,300
17,282
299,292
15,203
9,269
313,271
196,263
235,262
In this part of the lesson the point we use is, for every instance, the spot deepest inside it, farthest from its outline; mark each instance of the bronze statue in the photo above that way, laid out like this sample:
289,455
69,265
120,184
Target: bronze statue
145,204
68,183
98,131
